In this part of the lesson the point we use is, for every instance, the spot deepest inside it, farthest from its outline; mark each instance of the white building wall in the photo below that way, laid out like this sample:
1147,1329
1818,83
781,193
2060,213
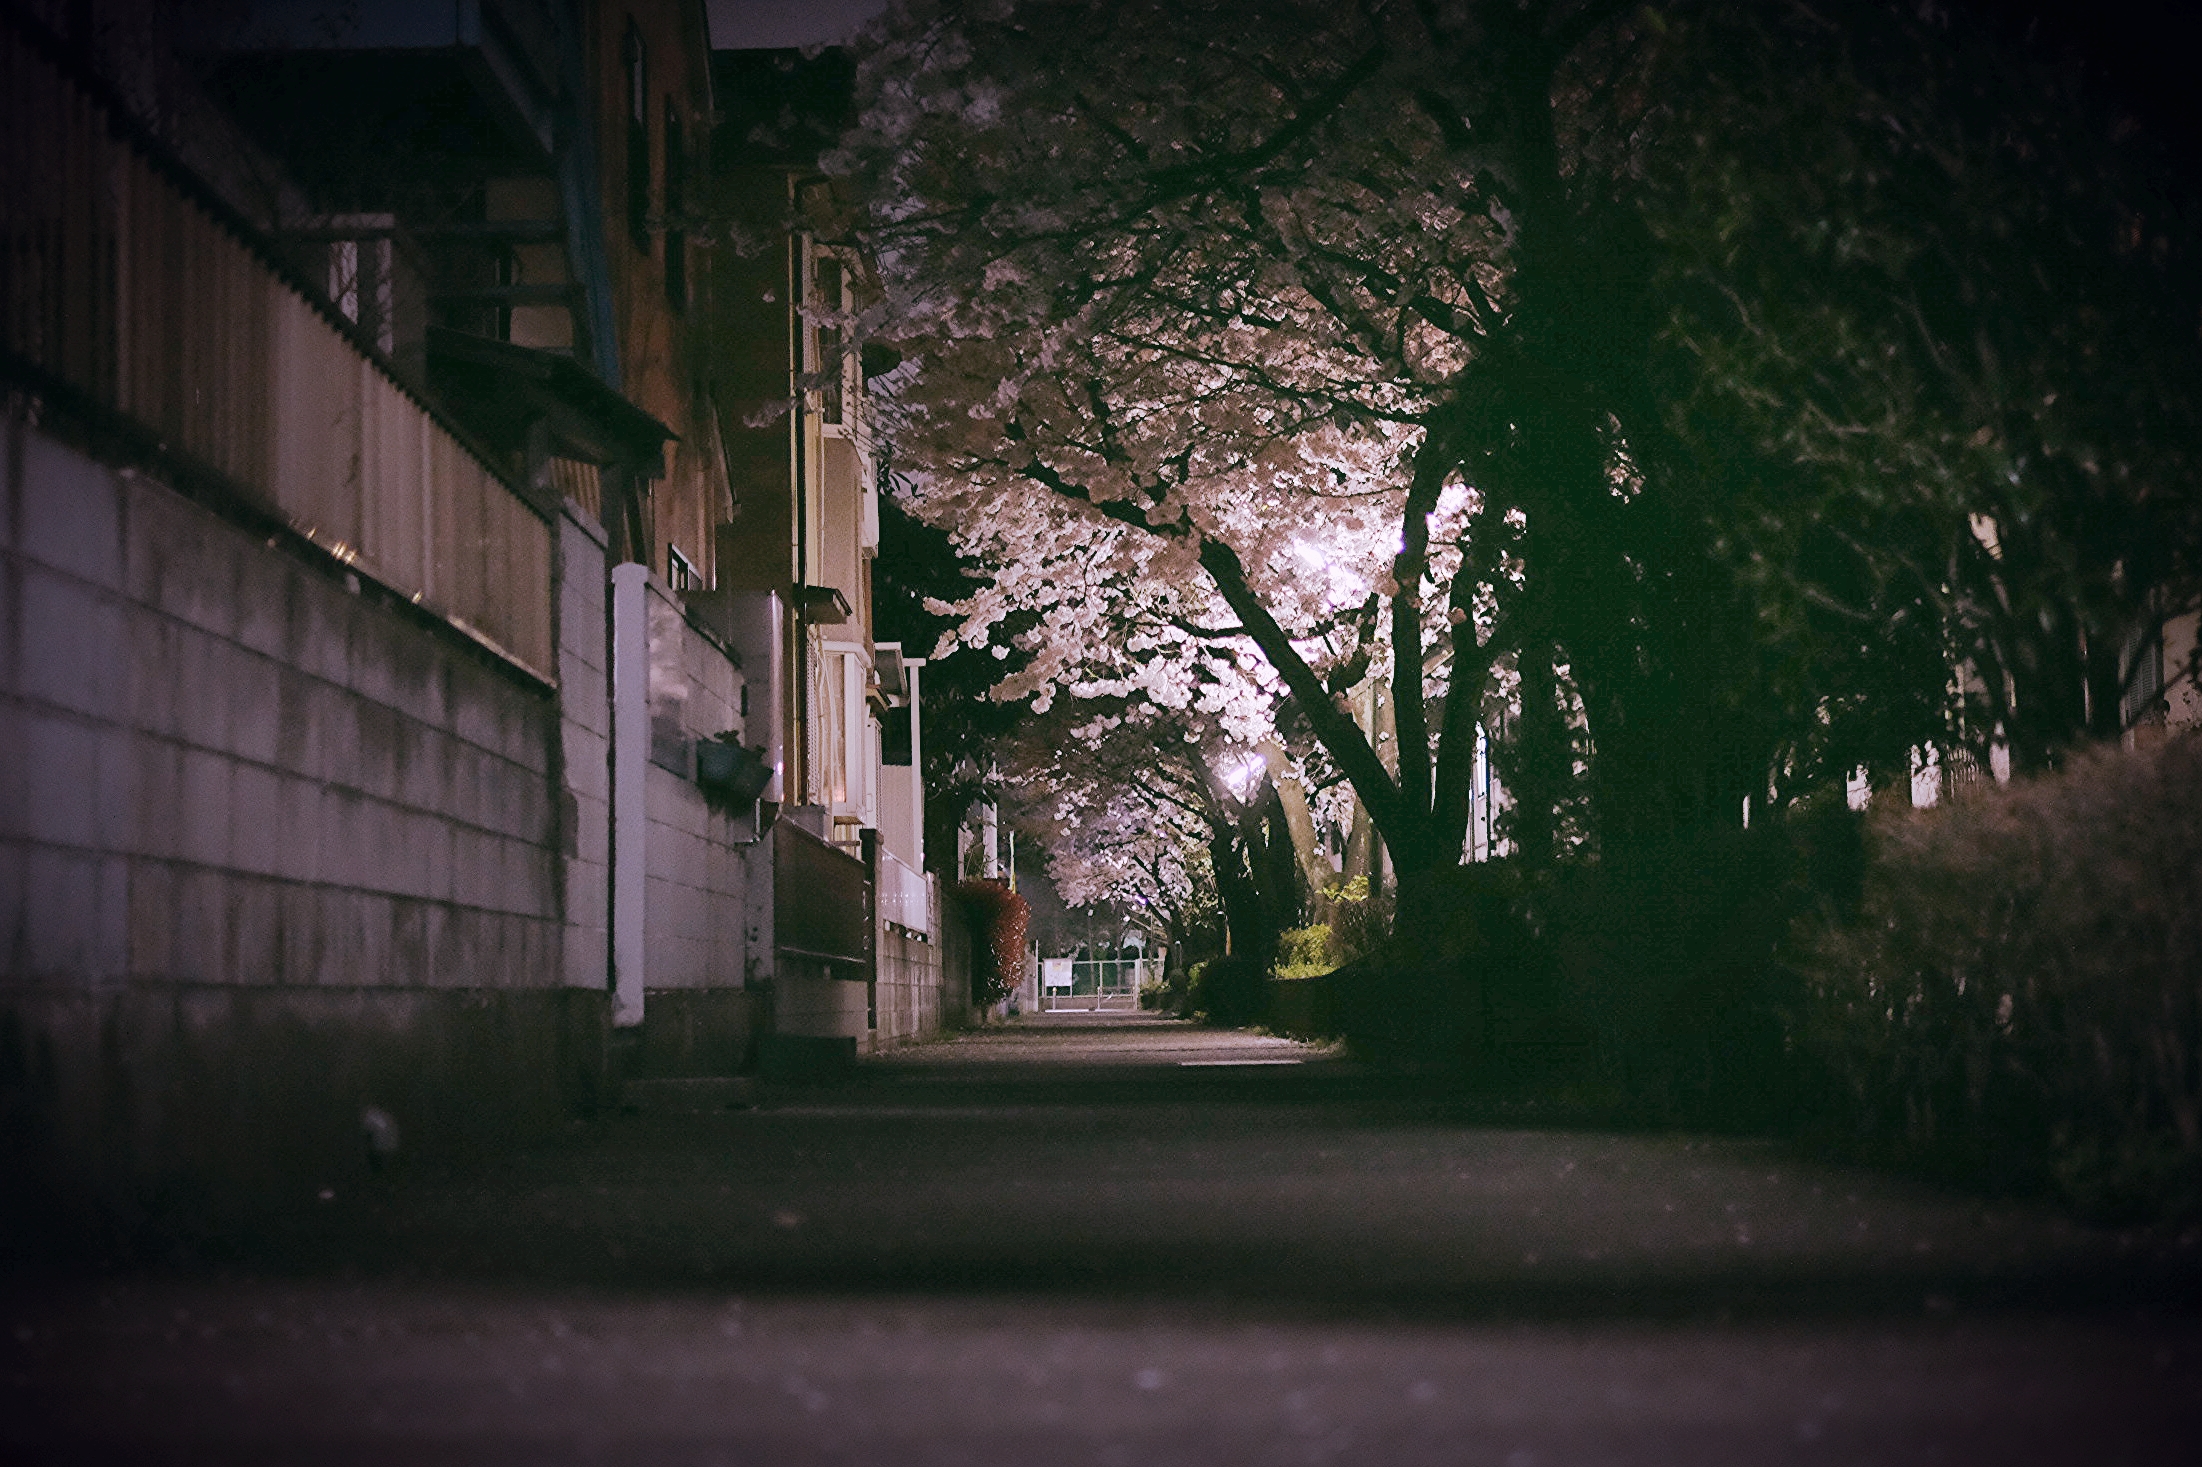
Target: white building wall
585,731
2182,695
630,683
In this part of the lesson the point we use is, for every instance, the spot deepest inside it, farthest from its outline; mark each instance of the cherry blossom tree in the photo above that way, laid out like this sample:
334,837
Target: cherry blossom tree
1419,340
1158,809
1168,332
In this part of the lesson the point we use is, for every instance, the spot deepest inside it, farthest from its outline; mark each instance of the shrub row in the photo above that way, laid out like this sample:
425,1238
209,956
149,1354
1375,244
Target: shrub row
2007,986
1652,986
2020,994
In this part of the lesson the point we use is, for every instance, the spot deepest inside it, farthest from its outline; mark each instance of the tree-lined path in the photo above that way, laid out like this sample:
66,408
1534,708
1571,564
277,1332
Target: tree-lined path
1121,1240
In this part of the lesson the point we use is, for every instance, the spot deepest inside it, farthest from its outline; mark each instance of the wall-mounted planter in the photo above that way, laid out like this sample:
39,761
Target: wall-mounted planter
733,772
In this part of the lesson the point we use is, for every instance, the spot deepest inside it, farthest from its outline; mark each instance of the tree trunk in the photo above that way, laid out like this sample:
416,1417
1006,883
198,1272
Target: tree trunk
1246,926
1532,760
1299,821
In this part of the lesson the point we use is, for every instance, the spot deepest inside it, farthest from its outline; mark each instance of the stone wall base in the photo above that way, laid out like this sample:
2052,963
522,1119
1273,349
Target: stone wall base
153,1107
696,1032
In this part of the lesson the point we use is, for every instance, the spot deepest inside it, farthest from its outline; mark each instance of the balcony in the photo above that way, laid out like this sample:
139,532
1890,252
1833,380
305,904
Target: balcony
475,80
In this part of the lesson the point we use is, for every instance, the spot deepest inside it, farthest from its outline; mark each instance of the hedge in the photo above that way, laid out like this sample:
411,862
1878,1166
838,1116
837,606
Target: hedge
2020,993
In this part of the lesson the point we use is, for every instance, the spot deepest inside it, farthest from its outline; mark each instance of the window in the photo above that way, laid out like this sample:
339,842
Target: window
344,278
680,571
507,266
894,736
832,732
638,138
676,201
830,365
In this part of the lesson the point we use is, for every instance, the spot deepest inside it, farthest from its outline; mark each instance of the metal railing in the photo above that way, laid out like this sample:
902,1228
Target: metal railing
153,305
905,897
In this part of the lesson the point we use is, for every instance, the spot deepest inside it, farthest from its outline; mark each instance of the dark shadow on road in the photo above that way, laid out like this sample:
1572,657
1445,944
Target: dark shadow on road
1138,1160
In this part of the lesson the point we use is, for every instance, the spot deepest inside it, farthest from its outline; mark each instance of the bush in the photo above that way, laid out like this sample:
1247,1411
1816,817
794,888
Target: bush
2020,993
999,919
1652,984
1304,952
1358,921
1170,996
1230,991
1679,957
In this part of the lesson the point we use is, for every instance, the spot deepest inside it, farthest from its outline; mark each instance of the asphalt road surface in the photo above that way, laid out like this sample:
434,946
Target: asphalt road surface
1121,1241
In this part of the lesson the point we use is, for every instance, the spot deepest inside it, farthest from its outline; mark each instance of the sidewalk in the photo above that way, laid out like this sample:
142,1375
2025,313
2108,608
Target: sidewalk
1122,1240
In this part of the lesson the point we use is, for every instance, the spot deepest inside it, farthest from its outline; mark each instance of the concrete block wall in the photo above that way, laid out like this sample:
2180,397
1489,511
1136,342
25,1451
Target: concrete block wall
907,1000
271,850
696,880
917,996
813,999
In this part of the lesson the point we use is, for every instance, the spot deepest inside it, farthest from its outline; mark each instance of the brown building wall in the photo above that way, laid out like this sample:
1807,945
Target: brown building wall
652,242
751,347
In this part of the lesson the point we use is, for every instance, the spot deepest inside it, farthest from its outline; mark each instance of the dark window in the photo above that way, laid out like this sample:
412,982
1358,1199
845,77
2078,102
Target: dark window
894,737
676,201
829,364
826,286
638,139
508,273
680,573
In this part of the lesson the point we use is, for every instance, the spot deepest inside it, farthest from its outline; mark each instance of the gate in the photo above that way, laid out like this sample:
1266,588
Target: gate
1092,985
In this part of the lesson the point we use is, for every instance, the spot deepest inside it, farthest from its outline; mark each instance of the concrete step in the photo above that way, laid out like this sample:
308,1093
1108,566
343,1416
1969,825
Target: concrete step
689,1094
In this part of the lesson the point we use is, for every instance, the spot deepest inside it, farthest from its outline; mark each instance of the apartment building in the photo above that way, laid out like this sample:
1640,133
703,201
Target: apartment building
387,725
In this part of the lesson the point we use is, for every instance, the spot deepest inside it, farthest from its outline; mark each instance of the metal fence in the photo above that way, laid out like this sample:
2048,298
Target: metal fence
905,896
821,899
1069,985
151,304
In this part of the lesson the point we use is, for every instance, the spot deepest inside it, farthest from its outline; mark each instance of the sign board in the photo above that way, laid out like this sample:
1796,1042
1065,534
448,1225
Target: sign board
1055,972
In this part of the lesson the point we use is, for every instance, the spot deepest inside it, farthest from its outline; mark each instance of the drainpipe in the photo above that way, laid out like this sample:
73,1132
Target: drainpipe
797,350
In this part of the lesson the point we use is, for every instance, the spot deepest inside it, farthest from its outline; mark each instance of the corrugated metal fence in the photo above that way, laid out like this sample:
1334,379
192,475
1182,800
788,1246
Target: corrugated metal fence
117,283
821,900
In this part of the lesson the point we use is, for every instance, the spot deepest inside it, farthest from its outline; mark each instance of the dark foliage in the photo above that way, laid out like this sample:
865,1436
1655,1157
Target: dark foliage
999,920
1231,991
2019,996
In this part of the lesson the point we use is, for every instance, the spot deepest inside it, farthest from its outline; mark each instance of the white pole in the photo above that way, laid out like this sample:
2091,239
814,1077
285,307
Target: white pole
630,770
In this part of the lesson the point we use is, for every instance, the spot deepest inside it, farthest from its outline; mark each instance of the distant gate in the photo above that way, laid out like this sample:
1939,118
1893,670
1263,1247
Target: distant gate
1090,985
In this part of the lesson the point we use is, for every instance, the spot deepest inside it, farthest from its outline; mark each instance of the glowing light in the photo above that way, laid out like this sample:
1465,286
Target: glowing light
1244,774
